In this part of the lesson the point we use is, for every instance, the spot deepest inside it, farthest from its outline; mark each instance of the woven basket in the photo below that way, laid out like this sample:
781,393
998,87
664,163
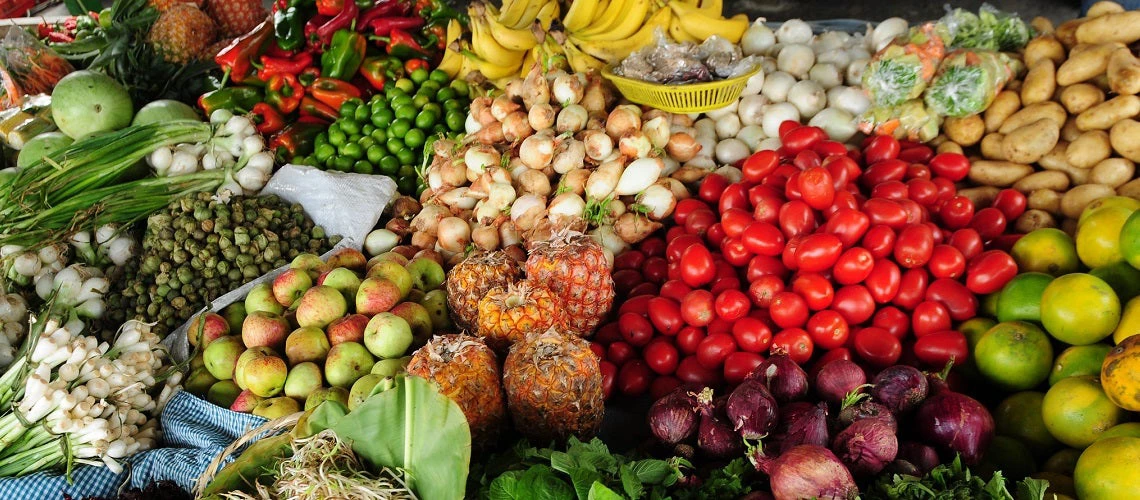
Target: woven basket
270,428
682,98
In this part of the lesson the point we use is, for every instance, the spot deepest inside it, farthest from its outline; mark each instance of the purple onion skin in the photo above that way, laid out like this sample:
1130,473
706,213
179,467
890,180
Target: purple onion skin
809,427
867,446
752,410
757,495
954,422
866,409
838,378
901,388
785,379
673,418
806,471
920,456
715,436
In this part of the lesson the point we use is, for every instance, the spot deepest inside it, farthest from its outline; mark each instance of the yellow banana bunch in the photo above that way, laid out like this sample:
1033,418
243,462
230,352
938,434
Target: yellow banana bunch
452,61
704,21
614,51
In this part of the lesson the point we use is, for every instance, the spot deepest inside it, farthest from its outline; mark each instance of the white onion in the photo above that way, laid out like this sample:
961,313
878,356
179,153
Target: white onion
794,31
705,127
537,151
777,113
379,241
796,60
572,118
527,210
855,71
731,150
887,31
598,144
754,84
838,123
769,144
639,175
826,75
732,173
849,99
751,109
611,243
571,155
728,109
727,126
604,179
671,165
480,156
565,208
567,89
454,234
458,198
808,97
757,39
751,135
160,159
777,85
837,57
657,130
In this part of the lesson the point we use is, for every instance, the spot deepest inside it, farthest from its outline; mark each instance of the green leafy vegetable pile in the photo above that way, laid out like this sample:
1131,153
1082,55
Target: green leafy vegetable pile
953,481
989,29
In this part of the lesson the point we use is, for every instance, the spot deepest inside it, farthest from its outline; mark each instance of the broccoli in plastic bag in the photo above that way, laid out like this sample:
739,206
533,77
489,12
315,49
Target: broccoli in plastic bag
901,72
989,29
967,82
911,120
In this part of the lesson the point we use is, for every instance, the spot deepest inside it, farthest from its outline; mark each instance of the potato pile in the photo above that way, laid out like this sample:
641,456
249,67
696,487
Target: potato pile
1067,133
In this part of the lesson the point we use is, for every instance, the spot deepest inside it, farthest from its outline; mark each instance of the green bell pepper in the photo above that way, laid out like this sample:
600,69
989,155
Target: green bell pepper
236,99
289,26
344,55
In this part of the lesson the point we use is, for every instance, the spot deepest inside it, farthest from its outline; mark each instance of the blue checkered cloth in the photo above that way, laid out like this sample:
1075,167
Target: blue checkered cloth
193,433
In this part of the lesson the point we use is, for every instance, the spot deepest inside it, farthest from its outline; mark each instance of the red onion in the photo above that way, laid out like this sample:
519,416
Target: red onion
954,422
785,379
915,459
863,409
867,446
807,426
806,471
838,378
673,418
715,436
752,410
900,388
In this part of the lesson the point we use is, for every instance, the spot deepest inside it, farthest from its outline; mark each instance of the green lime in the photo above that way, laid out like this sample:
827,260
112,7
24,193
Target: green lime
381,119
350,127
376,105
394,144
375,153
1050,251
407,113
407,185
419,75
348,109
454,104
324,152
434,107
420,100
406,85
400,128
430,85
334,127
427,93
1131,204
1076,411
415,138
1099,236
1080,309
1062,462
1019,416
366,141
1129,429
389,165
337,137
407,157
460,87
439,76
343,163
380,135
352,150
987,304
1122,277
455,120
426,119
445,94
1021,297
362,167
362,114
1014,355
367,129
1078,360
401,101
321,138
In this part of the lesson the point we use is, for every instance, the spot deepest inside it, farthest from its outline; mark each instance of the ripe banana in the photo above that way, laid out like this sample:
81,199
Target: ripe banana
608,19
510,38
531,12
488,49
490,70
512,11
712,8
452,61
614,51
547,14
579,15
529,60
701,26
678,33
628,22
603,6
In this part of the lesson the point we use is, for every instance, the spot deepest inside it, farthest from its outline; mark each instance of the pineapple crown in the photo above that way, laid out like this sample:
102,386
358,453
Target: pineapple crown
444,348
561,238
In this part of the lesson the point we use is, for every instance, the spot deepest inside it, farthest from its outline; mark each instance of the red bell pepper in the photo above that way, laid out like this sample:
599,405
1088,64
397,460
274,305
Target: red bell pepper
385,25
403,45
414,64
284,92
330,7
374,70
332,92
278,65
297,139
313,108
309,75
237,58
266,119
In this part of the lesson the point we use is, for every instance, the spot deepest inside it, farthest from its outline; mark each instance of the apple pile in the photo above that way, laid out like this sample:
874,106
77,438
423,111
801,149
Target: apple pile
320,330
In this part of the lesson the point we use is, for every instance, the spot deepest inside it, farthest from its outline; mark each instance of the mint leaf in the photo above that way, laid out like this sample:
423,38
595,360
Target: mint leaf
651,471
563,462
630,483
505,487
541,483
1032,489
583,480
599,491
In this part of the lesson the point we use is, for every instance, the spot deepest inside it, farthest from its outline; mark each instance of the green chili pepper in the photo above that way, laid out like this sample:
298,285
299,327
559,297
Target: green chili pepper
237,99
344,55
289,27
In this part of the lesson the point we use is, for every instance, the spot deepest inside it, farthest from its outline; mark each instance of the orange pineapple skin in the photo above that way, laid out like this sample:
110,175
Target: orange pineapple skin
576,270
236,17
471,279
467,371
502,324
554,387
182,33
162,5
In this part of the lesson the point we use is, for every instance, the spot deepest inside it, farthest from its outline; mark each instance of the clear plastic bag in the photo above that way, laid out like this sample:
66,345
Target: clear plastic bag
989,29
912,120
27,67
967,82
901,71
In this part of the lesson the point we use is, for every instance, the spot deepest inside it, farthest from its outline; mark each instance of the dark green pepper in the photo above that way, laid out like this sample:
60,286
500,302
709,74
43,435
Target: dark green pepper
289,27
236,99
344,55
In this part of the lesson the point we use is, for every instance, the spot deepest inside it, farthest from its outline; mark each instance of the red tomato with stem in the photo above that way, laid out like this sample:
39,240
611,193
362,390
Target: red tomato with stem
763,238
738,365
689,339
893,320
959,301
879,148
967,241
795,342
734,252
939,348
788,310
1011,202
990,271
914,246
698,308
929,317
946,262
855,303
633,378
712,186
854,266
816,188
880,241
957,212
697,266
952,166
635,329
752,334
828,329
815,289
763,289
766,208
699,222
912,288
884,280
665,314
714,349
661,357
877,346
732,304
989,223
788,257
796,219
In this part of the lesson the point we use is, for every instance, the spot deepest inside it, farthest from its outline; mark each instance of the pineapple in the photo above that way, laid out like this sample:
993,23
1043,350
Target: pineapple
236,17
162,5
575,268
182,33
471,279
507,314
554,387
466,371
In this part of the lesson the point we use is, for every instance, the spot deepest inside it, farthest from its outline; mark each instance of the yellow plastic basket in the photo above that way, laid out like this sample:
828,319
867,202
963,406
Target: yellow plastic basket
681,98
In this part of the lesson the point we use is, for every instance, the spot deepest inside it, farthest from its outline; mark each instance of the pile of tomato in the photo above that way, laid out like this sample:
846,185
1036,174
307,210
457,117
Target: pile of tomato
822,253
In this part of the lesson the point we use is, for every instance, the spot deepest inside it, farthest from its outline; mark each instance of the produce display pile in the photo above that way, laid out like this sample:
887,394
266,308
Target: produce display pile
635,249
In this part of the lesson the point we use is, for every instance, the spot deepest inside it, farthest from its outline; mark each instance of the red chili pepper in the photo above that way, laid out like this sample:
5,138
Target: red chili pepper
403,45
342,20
374,70
414,64
57,37
317,109
311,29
267,120
275,65
237,58
284,92
333,92
385,25
309,75
330,7
383,8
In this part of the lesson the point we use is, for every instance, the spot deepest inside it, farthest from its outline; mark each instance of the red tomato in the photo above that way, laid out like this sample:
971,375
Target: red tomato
752,334
883,211
765,205
877,346
735,196
633,378
849,225
678,245
880,241
879,148
661,357
738,365
762,265
664,385
715,235
690,371
712,187
674,232
815,289
636,305
714,349
735,253
763,288
698,308
609,372
675,289
796,218
802,138
893,320
937,232
653,247
625,280
762,238
665,314
959,301
719,325
732,304
689,339
609,332
917,154
912,288
891,190
816,188
940,348
990,271
923,191
855,303
914,246
795,342
723,284
1011,203
699,222
830,148
787,126
687,206
599,350
946,188
734,220
759,165
853,266
643,289
620,352
946,262
883,282
697,266
840,168
828,329
805,160
818,252
635,329
989,223
952,166
788,310
929,317
957,212
655,270
967,241
917,171
915,213
788,257
630,259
